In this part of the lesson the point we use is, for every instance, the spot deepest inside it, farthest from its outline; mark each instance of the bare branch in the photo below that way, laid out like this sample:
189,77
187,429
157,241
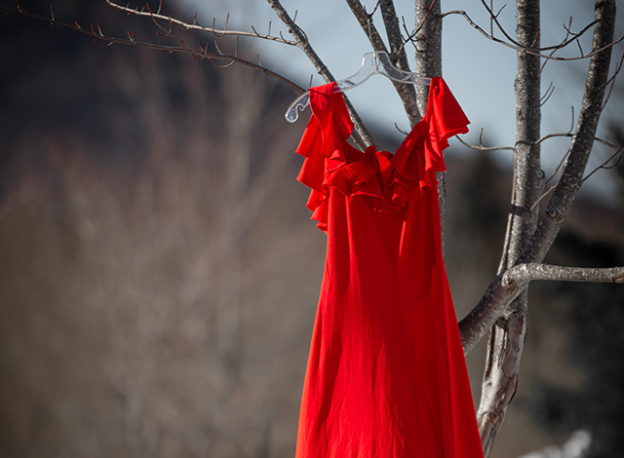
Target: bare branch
521,274
494,18
554,135
569,133
494,302
491,18
552,53
365,137
200,53
429,62
563,44
604,164
563,159
411,37
400,130
582,143
534,51
537,202
508,285
578,43
406,91
506,348
421,25
549,92
485,148
618,67
196,26
492,305
366,22
606,143
397,44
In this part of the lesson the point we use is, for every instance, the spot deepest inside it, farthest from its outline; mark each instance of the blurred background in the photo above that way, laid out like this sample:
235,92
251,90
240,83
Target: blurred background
159,272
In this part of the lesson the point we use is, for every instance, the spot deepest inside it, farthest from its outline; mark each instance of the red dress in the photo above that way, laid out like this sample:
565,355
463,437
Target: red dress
386,374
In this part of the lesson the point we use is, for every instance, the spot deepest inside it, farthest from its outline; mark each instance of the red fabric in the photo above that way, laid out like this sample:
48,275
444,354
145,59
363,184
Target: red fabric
386,374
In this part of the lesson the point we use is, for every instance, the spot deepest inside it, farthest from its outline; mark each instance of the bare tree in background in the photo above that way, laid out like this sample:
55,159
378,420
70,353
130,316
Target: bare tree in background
537,210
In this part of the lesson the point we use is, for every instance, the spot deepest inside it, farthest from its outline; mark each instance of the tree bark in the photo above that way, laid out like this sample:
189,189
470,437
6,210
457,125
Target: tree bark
405,91
429,62
506,341
363,137
399,58
507,285
582,144
429,45
495,301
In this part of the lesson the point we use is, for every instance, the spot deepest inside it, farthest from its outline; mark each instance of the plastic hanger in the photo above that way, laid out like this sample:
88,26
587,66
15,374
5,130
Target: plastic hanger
373,63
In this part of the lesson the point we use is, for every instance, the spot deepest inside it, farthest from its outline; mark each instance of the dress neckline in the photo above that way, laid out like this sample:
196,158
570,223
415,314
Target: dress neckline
413,132
388,180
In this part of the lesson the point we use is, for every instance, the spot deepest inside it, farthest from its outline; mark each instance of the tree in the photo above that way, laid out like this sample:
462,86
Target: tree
503,310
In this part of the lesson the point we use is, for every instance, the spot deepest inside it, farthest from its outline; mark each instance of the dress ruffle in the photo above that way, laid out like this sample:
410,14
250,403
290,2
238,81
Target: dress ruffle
390,181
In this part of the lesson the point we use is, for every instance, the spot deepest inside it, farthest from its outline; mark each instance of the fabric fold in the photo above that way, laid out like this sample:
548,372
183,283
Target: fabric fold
389,180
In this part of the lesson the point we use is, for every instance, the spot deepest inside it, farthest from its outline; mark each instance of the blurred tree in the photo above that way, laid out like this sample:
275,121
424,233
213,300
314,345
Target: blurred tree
591,315
135,299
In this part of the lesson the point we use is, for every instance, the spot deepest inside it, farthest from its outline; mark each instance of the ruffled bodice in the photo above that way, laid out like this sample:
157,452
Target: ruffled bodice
389,180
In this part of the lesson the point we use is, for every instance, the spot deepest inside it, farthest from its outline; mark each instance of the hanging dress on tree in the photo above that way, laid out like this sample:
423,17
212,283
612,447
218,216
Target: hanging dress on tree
386,375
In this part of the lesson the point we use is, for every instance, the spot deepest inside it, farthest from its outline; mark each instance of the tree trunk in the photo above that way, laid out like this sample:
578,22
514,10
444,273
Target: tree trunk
507,336
429,62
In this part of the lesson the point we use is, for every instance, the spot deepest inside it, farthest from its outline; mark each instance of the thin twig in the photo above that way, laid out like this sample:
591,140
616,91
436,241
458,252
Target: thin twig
542,196
405,92
618,67
604,164
399,129
572,177
553,135
196,26
578,44
375,9
200,53
485,148
509,284
494,17
529,50
568,33
365,139
572,134
549,92
554,174
491,18
523,273
411,37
